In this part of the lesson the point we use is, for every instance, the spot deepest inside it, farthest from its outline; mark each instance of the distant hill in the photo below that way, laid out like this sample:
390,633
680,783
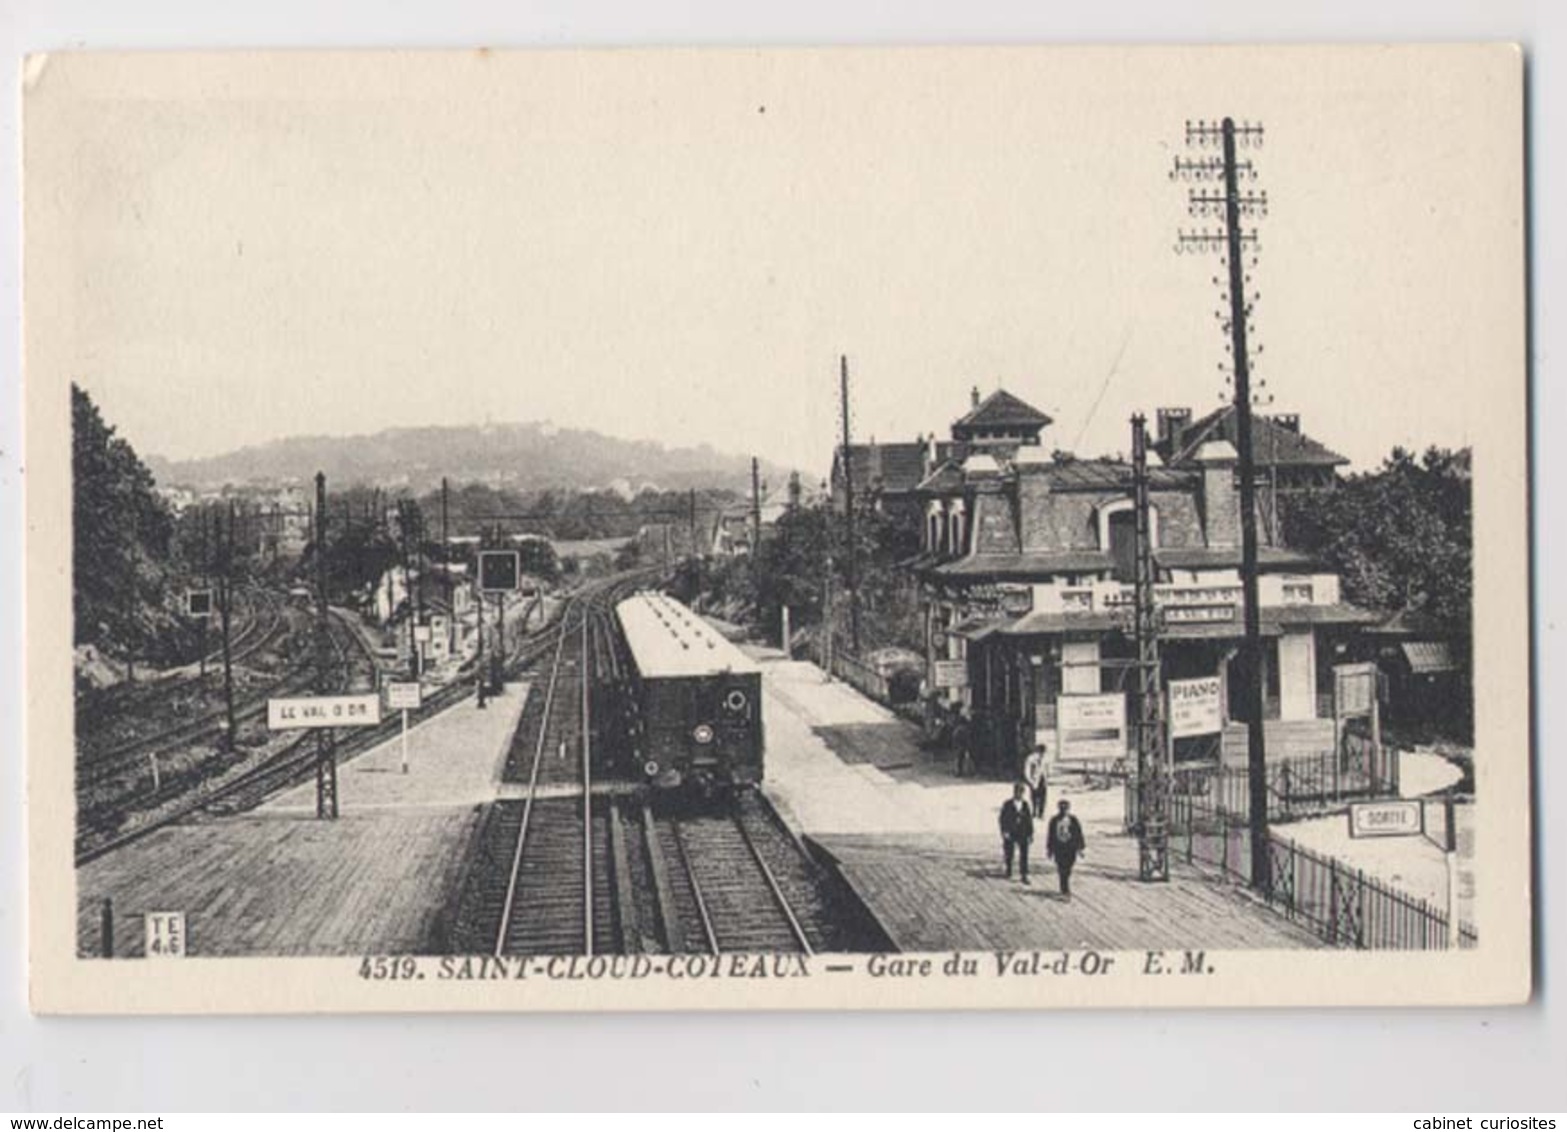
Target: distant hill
521,457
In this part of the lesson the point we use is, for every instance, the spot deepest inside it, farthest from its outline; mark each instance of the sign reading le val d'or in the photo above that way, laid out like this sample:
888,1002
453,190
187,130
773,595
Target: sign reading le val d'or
323,711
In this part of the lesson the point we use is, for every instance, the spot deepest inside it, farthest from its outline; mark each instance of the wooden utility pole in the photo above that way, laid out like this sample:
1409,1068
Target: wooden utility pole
446,551
851,564
326,744
756,507
1233,241
408,590
829,631
206,584
225,611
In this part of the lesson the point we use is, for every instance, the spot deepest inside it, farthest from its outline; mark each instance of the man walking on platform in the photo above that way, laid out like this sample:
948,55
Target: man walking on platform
1034,775
1017,831
1064,843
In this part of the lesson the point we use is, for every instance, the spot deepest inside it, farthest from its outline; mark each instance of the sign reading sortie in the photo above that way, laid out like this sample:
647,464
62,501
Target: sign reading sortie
1404,817
1194,707
323,711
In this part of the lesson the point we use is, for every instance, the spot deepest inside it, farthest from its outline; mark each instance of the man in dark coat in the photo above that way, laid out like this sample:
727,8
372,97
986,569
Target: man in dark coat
1017,830
963,743
1064,844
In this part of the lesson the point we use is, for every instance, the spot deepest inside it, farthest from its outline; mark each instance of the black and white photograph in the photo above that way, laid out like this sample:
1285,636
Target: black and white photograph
634,529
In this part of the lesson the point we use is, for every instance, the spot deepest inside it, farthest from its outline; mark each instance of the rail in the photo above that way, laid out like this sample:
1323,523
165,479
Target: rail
772,885
533,785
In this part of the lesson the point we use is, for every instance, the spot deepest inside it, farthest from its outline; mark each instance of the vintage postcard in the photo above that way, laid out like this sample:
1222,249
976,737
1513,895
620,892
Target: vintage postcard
711,529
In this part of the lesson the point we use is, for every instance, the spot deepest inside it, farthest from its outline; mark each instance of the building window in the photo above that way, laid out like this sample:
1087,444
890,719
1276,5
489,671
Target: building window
957,532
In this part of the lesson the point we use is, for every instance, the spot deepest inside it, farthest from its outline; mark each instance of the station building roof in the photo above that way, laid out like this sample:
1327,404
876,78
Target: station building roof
668,640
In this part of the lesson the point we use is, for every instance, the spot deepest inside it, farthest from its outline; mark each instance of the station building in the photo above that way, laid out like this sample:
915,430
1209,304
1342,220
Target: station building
1025,583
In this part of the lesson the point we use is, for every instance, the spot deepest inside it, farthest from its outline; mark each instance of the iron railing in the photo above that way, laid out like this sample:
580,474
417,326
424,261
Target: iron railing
1339,903
1299,786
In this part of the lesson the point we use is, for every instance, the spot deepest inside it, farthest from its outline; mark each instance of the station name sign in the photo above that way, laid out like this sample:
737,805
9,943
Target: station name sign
293,712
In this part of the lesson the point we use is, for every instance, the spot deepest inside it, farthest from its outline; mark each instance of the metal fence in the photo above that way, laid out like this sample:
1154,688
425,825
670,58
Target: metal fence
1300,786
856,673
1341,904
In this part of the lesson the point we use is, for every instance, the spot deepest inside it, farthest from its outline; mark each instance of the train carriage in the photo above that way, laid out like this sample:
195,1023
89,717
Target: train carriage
699,698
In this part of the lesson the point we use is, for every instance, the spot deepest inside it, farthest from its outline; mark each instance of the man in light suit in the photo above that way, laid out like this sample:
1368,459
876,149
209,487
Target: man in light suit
1034,775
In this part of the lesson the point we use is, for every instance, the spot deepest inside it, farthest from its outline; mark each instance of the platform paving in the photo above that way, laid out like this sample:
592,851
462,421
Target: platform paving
455,758
920,847
278,881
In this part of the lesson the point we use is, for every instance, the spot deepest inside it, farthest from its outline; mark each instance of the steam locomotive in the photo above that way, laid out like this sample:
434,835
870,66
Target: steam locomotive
699,698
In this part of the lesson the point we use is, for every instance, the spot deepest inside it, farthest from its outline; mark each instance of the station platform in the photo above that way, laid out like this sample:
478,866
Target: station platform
455,758
277,881
921,848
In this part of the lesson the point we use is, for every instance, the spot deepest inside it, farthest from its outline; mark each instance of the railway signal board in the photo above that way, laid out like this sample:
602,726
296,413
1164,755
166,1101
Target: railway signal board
500,571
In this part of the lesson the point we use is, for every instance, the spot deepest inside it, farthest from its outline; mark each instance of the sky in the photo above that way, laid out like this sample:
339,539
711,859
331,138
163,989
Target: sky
679,246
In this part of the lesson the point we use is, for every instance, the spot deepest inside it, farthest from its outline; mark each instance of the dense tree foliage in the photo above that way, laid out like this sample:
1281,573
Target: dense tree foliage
475,507
122,543
808,547
1400,537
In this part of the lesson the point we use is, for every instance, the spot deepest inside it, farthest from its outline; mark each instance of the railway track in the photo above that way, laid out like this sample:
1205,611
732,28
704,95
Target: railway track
580,866
94,766
351,655
557,899
183,792
293,763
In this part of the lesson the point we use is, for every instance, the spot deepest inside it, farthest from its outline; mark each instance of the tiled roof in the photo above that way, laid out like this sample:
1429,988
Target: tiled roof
1062,623
1341,613
1001,409
1272,443
1220,557
890,468
1025,565
1102,475
948,477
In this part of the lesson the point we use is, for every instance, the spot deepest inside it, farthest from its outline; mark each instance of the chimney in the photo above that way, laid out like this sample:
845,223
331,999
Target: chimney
1173,422
1221,516
973,397
1035,511
1290,422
